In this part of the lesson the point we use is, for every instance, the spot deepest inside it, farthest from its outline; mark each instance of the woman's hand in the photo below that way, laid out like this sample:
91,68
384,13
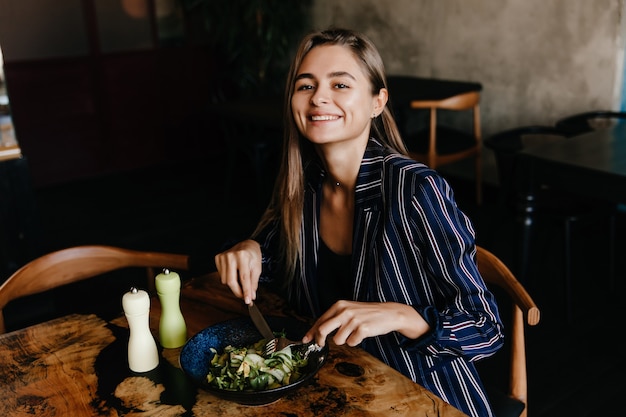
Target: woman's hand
240,268
354,321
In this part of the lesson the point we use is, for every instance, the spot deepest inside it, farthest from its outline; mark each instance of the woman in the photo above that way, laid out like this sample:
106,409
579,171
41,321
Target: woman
366,240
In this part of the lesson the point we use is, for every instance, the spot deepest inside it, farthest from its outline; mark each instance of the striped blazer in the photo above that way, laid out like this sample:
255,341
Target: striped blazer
412,245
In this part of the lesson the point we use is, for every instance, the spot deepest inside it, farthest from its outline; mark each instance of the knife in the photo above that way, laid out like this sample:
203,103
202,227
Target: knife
259,322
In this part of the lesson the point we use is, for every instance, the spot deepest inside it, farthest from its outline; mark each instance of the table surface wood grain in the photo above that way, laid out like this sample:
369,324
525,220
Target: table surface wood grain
77,365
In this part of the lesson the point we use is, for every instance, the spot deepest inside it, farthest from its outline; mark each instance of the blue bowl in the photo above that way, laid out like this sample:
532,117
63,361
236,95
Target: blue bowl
196,356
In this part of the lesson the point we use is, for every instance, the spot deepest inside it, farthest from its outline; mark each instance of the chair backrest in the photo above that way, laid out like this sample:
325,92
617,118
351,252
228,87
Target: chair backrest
79,263
412,98
464,101
580,123
460,145
525,312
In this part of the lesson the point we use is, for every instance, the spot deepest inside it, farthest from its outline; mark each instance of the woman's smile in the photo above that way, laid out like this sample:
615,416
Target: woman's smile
322,118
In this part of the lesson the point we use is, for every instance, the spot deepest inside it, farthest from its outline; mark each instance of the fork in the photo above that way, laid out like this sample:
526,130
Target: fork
275,344
279,343
270,347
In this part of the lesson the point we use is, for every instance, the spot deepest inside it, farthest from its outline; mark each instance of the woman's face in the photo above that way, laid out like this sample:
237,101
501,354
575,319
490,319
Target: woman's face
332,99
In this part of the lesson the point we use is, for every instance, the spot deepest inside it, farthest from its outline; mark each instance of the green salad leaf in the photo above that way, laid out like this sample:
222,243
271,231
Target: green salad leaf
246,369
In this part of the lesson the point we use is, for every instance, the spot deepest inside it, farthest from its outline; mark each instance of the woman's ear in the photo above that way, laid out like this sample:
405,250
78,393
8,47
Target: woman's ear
380,101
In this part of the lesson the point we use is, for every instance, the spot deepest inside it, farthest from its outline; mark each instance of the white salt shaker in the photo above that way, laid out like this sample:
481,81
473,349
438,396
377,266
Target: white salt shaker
143,355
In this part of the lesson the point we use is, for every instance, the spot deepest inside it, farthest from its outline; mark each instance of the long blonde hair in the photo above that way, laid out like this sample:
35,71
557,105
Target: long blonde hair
286,204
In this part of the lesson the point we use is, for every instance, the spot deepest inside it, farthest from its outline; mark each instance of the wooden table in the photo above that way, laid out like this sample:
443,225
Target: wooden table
77,365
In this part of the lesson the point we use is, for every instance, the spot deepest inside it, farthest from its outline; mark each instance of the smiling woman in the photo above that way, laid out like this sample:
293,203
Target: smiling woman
361,237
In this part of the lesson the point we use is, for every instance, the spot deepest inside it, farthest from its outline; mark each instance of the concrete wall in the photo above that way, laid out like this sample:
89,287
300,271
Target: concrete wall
538,60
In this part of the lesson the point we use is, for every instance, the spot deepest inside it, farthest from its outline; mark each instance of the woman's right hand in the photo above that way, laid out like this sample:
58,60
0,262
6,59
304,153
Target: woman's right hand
240,268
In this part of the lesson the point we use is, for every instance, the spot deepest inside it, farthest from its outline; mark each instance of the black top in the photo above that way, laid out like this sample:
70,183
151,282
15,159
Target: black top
333,276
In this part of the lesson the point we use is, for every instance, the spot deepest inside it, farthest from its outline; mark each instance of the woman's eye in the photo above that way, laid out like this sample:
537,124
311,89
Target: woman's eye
341,85
304,87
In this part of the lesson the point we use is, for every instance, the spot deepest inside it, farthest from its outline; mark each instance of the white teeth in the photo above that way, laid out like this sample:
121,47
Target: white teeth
317,118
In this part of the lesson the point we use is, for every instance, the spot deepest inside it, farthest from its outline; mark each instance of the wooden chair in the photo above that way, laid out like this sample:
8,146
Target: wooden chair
495,272
444,145
79,263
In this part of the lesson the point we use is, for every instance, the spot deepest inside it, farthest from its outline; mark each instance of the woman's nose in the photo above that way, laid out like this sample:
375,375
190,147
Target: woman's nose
320,97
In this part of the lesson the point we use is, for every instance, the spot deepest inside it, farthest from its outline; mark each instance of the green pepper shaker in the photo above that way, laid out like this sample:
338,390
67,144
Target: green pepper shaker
172,327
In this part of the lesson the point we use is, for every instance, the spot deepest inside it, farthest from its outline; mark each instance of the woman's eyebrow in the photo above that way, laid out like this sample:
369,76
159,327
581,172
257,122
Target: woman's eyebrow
304,75
341,74
307,75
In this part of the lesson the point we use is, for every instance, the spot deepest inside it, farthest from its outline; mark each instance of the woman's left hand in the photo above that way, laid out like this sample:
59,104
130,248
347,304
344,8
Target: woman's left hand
353,321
